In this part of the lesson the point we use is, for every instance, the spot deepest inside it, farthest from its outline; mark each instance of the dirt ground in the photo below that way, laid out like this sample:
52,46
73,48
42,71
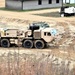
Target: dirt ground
29,15
65,47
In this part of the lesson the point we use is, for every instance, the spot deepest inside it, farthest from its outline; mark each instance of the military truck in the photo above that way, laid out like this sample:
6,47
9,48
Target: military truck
28,38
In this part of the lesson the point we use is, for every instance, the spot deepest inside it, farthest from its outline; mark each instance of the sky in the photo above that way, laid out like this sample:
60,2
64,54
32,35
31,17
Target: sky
72,1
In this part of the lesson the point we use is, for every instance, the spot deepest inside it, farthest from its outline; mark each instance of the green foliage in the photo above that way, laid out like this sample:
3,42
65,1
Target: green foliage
70,4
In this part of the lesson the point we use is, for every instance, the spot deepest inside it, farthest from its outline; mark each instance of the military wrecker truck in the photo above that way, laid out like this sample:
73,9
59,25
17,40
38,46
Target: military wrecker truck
28,38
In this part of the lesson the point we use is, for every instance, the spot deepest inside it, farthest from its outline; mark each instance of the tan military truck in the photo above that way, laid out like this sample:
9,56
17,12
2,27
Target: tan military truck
32,37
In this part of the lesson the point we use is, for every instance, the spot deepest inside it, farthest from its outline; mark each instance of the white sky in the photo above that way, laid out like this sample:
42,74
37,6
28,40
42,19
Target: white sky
72,1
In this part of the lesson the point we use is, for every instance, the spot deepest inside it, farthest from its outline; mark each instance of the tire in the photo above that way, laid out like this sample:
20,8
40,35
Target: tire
27,43
62,15
39,44
5,43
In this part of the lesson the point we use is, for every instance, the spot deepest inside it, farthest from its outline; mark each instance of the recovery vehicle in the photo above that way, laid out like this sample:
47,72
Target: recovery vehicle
28,38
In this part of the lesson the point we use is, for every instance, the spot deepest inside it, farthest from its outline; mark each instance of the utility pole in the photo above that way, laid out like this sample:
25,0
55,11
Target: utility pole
65,1
69,1
22,4
62,3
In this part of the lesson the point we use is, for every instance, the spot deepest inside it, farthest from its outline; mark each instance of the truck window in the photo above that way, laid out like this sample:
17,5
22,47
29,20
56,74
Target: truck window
49,34
45,33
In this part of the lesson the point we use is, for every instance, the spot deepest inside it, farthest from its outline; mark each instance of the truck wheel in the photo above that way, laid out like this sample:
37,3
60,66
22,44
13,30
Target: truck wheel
28,44
39,44
5,43
62,15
